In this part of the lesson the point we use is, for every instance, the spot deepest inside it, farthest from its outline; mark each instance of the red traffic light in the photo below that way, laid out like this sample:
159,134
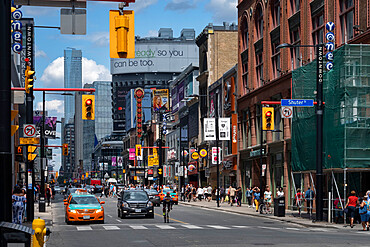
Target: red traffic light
268,114
120,108
88,102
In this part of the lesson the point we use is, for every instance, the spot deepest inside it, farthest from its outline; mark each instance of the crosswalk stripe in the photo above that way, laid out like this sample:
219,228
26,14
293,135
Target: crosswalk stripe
241,226
84,228
192,227
136,227
269,228
292,228
165,227
111,227
219,227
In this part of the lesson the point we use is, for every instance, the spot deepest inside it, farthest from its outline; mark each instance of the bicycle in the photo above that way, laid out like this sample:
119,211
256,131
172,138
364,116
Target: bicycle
265,208
166,215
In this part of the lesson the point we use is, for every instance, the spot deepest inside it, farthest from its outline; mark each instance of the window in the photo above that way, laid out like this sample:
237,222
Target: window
346,19
295,6
318,28
245,34
245,75
275,58
259,22
259,68
275,11
295,52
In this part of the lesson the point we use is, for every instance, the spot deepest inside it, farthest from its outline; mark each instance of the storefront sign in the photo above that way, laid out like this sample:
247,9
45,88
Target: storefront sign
234,134
214,155
131,154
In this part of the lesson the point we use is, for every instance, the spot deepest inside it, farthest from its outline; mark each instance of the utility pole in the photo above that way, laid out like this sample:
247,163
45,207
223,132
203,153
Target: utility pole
42,153
218,153
160,158
5,104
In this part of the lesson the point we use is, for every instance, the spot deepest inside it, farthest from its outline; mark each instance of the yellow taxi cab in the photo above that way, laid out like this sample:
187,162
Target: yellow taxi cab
173,195
82,207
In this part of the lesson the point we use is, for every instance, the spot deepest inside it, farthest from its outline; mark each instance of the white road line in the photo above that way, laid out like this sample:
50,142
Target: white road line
320,230
138,227
267,227
292,228
165,227
111,228
118,220
109,215
241,226
192,227
84,228
219,227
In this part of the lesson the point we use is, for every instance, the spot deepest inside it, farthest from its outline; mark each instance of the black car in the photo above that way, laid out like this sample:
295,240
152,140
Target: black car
98,189
154,197
134,202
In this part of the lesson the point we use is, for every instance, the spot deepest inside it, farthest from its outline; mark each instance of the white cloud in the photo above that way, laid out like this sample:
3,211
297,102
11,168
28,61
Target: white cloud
53,75
100,39
52,105
152,33
40,53
181,5
140,5
223,10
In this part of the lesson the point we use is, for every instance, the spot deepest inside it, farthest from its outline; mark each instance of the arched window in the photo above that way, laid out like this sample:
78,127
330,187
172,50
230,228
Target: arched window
259,22
275,13
245,34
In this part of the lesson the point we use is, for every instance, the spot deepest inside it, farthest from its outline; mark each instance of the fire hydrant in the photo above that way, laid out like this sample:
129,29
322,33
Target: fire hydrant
38,239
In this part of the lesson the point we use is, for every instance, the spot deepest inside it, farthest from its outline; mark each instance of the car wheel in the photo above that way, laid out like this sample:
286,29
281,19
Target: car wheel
123,216
119,213
176,203
67,221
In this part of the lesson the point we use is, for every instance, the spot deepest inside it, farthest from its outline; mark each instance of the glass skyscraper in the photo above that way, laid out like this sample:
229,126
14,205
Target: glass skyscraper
72,79
103,109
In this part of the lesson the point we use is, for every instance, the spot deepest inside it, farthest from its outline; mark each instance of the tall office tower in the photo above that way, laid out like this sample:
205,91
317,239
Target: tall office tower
72,79
103,109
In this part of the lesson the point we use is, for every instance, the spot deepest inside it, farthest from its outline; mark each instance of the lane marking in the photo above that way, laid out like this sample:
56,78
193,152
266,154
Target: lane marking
109,215
111,228
242,226
172,219
138,227
118,220
292,228
192,227
84,228
165,227
219,227
268,227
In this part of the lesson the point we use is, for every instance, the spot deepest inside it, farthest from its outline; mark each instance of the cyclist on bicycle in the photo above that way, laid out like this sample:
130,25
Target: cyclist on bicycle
167,202
267,197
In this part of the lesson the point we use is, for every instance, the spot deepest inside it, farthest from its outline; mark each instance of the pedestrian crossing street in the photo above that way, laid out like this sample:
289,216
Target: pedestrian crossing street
118,227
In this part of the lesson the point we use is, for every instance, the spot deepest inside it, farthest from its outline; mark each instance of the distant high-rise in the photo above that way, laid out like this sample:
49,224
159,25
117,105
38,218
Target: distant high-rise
103,109
72,79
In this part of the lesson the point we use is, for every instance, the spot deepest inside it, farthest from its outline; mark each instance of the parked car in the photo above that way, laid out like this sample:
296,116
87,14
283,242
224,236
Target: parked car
134,202
154,197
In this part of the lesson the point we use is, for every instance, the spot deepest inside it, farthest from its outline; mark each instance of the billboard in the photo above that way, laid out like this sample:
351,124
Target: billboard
161,100
50,126
157,57
130,108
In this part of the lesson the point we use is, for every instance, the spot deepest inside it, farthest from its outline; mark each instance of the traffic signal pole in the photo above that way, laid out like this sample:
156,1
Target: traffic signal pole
5,104
42,153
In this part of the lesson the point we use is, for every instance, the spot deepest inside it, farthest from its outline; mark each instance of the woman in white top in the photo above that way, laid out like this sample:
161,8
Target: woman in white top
280,192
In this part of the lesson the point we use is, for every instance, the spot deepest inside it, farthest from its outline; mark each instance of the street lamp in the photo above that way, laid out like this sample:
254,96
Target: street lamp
319,123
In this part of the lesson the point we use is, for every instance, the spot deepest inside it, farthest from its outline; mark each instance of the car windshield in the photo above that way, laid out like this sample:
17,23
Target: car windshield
135,196
167,190
84,200
152,192
99,186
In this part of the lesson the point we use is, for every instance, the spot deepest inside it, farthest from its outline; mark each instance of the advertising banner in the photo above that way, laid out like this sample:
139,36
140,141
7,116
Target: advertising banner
214,155
131,154
119,161
209,129
50,126
161,100
224,129
234,133
114,161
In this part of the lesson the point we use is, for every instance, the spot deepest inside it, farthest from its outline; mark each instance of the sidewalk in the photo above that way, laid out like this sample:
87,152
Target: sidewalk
290,216
47,215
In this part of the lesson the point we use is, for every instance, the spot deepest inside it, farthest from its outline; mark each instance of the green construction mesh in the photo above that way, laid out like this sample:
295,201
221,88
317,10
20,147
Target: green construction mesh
346,114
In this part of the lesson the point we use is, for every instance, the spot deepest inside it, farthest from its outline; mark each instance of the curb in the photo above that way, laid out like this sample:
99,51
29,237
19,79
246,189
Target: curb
260,215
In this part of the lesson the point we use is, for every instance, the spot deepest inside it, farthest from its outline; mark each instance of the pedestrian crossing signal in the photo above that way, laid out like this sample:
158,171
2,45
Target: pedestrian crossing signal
31,156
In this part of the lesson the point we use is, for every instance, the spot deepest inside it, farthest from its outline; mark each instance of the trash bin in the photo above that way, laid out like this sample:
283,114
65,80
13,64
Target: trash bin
279,206
14,233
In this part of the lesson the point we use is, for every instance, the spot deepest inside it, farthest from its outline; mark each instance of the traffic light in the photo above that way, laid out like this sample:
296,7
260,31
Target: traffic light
31,149
65,149
268,118
122,34
29,74
88,107
138,150
14,128
19,154
160,171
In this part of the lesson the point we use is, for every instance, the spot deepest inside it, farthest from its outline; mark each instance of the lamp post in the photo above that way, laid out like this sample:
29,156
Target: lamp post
319,123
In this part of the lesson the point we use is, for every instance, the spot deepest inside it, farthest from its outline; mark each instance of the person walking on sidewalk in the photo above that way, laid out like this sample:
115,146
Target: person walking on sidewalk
299,200
48,193
232,195
351,206
239,197
280,192
256,196
18,204
248,195
309,196
363,214
222,194
209,192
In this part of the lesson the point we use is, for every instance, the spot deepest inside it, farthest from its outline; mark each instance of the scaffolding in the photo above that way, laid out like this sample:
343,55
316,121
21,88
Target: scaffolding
346,122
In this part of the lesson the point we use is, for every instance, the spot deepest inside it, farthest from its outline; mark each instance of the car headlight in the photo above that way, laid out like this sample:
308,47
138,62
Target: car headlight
72,211
99,210
149,204
125,205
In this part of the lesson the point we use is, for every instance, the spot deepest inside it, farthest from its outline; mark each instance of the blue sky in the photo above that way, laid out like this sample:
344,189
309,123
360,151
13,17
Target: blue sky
150,16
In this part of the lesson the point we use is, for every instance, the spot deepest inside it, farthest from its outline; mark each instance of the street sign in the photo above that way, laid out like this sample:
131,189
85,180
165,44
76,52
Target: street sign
27,141
29,130
195,155
287,112
209,129
203,153
224,129
297,102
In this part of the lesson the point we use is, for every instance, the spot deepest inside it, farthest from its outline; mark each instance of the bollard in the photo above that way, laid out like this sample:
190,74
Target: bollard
38,239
